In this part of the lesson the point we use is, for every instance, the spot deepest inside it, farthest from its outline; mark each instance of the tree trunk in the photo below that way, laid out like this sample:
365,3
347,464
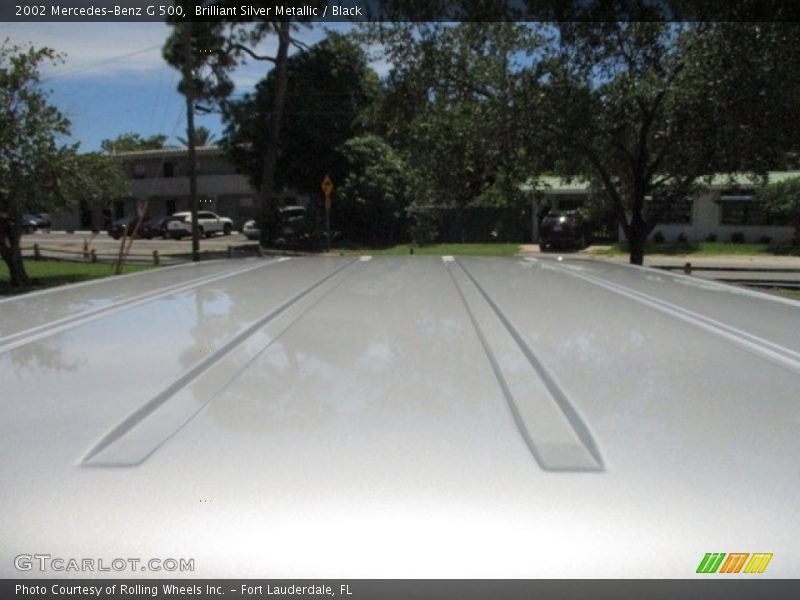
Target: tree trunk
10,236
637,236
188,79
270,227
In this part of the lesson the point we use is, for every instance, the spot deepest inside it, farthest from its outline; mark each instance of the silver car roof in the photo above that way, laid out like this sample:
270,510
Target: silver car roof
401,417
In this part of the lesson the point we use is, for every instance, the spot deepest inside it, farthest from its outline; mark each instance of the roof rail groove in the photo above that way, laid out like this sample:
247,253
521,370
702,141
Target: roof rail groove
771,351
143,442
553,431
15,340
99,281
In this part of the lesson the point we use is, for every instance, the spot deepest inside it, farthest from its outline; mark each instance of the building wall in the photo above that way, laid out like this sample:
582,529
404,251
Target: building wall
707,220
162,180
226,194
156,167
219,187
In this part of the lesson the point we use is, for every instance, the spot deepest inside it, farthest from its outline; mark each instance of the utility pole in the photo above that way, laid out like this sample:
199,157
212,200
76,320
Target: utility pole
188,79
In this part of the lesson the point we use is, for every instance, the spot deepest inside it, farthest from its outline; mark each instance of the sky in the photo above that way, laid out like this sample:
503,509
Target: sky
113,79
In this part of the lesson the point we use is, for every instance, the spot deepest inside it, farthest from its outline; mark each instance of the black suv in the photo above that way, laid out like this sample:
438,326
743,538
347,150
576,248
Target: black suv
33,221
563,230
125,226
157,227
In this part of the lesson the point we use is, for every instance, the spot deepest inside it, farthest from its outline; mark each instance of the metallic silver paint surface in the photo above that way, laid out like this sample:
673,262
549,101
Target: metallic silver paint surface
401,417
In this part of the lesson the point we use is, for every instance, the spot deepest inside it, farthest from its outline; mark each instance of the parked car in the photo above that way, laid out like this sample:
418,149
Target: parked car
126,226
29,223
208,223
292,218
563,230
157,227
250,230
41,221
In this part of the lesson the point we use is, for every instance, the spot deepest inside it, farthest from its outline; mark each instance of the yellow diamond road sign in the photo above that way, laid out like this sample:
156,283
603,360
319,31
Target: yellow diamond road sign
327,185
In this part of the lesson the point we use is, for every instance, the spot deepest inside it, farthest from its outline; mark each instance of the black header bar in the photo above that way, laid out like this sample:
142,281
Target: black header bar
330,11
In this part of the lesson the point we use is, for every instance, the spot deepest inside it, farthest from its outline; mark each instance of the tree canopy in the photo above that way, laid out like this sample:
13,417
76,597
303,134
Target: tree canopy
647,111
202,137
374,195
33,154
329,86
644,111
207,52
39,169
783,198
129,142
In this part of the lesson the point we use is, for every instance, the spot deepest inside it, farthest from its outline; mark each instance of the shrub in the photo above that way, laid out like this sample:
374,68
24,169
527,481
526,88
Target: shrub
682,238
658,237
711,237
764,239
424,230
737,237
785,249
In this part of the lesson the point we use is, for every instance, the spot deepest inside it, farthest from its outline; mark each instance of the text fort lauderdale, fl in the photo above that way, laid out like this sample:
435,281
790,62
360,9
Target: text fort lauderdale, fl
248,10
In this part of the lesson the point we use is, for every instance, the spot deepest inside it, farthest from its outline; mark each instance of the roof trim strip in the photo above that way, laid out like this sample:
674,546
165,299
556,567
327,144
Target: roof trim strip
551,427
775,353
147,428
39,332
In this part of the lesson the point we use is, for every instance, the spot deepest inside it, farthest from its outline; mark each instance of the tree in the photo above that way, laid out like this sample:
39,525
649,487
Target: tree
783,198
130,142
32,159
37,171
329,85
648,110
202,137
223,49
643,108
374,196
451,109
190,48
95,179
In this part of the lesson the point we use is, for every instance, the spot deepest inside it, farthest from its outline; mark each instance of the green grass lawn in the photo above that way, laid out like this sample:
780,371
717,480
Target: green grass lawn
49,273
439,250
691,248
786,293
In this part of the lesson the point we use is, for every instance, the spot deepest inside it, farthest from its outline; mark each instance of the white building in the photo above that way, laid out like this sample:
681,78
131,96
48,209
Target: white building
723,209
160,179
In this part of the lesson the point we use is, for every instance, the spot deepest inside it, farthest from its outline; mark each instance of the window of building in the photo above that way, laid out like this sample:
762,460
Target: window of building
169,169
743,212
677,212
139,171
737,207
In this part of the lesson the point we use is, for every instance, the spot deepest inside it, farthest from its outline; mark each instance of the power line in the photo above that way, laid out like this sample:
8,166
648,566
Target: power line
91,66
158,93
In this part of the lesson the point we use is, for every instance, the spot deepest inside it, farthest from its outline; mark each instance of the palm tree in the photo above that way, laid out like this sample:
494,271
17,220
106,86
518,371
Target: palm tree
202,137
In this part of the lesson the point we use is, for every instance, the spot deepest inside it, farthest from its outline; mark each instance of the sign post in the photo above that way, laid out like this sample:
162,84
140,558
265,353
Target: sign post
327,189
